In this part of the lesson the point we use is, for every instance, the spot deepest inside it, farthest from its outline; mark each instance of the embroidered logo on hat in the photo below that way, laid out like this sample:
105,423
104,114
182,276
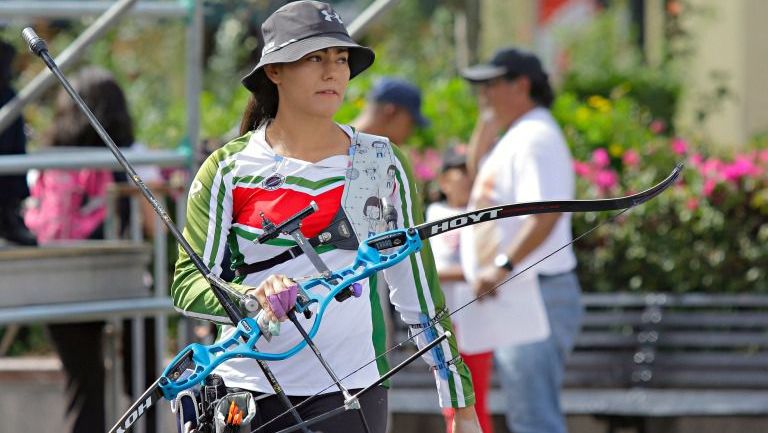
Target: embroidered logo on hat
328,16
301,27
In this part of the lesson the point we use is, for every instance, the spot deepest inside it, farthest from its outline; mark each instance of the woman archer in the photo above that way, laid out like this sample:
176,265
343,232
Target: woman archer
290,153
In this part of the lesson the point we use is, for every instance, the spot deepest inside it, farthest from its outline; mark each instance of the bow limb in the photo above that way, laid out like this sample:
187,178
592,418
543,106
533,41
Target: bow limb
39,48
368,257
430,229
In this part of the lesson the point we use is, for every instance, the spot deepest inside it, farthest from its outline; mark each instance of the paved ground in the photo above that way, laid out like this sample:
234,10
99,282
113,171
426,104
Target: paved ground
33,400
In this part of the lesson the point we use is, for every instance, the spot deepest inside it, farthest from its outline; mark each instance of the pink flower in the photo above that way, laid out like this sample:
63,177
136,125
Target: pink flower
657,126
630,158
426,164
582,169
697,160
762,155
423,171
606,179
600,157
711,167
709,186
741,167
679,146
692,203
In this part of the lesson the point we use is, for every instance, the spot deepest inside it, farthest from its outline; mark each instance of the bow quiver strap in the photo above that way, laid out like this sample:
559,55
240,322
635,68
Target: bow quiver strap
338,233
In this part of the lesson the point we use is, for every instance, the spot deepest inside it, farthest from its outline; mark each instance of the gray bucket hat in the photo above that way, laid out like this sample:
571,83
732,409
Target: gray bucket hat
302,27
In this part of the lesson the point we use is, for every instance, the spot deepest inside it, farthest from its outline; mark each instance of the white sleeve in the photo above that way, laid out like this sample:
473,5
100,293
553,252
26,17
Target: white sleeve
415,292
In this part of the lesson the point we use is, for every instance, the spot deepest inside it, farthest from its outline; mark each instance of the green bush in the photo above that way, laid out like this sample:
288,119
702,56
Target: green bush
650,89
617,124
708,233
604,60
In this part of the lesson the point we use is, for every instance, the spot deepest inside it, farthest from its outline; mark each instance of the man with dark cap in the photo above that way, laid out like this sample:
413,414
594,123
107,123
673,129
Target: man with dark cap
12,141
518,154
393,110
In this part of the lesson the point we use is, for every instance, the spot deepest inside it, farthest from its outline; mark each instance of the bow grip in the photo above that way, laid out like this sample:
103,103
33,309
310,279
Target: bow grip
197,361
368,261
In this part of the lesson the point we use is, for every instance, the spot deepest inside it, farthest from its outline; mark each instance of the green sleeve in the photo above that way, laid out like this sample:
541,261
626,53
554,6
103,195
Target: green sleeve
457,390
208,221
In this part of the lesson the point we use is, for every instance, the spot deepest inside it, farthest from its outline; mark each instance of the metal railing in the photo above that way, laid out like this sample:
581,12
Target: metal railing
158,305
79,9
74,158
110,14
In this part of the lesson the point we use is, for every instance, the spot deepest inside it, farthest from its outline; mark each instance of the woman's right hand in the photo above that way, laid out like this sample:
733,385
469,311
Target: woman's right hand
276,295
465,420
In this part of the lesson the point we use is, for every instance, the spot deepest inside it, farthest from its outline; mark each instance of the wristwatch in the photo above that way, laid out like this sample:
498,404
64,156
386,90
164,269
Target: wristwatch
502,261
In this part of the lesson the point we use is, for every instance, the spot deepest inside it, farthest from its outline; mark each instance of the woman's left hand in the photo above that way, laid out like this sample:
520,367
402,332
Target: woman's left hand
465,420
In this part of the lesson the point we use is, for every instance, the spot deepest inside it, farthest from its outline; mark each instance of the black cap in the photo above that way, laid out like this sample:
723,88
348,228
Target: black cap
401,93
302,27
454,157
509,62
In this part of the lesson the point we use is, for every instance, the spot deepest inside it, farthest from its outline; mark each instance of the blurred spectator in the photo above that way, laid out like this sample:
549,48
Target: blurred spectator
393,110
12,141
455,185
541,308
71,204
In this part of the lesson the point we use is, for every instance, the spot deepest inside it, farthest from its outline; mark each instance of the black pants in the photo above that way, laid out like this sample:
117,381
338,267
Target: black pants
373,404
81,350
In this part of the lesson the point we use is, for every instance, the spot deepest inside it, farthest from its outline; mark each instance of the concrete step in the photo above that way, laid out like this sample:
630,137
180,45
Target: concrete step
34,398
33,395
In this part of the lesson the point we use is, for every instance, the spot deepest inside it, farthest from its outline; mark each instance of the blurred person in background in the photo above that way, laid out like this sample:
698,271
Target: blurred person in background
455,184
393,110
71,204
518,154
13,141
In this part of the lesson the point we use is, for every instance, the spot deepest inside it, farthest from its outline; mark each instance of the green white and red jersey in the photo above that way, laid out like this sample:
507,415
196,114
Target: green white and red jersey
245,178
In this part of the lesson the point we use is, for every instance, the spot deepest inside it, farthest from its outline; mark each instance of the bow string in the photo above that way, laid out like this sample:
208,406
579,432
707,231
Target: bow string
408,240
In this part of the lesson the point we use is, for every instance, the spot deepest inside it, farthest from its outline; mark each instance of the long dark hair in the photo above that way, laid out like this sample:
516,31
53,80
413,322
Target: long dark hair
7,53
262,105
106,100
541,90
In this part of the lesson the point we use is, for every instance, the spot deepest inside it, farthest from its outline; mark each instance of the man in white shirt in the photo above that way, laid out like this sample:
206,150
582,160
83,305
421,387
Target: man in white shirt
518,154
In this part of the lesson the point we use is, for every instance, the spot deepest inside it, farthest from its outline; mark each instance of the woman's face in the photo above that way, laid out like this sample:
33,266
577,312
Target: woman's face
314,84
